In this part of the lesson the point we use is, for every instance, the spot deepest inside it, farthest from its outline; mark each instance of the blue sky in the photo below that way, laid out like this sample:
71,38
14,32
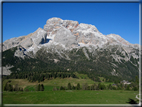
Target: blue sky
20,19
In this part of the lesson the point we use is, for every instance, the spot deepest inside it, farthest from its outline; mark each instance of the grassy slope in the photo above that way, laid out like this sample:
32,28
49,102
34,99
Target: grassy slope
69,97
83,78
51,83
54,82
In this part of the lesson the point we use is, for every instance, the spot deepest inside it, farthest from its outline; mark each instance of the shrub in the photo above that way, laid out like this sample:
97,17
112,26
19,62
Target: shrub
135,89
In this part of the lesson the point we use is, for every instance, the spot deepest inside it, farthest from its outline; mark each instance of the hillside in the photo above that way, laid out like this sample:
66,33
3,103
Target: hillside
67,46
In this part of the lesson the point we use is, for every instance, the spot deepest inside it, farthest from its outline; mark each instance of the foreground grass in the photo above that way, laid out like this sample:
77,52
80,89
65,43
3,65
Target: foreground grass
69,97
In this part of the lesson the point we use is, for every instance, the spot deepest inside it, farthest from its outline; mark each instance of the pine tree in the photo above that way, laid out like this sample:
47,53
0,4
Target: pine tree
38,87
110,87
78,86
6,87
137,79
62,76
73,87
135,88
95,86
10,87
128,87
92,87
38,80
99,86
16,87
85,86
88,88
62,88
41,87
69,86
103,86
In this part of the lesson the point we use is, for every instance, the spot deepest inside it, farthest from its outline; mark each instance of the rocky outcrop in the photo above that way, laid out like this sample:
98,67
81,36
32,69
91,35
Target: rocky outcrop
85,53
20,52
5,70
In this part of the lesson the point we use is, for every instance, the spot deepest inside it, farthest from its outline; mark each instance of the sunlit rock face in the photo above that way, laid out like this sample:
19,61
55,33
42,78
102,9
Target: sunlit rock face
69,34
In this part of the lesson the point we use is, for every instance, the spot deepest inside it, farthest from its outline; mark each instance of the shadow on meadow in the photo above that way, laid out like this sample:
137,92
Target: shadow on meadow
131,101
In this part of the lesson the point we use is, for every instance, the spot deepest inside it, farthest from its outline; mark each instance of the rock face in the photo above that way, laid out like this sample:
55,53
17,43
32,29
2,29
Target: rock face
60,37
12,42
26,43
39,37
67,33
65,37
88,34
116,39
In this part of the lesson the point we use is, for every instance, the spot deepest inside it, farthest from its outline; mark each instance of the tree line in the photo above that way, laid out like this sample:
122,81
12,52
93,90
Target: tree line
99,86
9,87
40,76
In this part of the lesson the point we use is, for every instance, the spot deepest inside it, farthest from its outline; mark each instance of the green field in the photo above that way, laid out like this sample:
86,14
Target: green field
48,96
69,97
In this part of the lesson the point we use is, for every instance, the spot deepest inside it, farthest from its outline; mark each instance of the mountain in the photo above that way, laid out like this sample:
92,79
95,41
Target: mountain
68,45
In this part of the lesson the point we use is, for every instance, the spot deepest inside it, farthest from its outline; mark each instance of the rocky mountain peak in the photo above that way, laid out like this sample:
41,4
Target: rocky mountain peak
63,42
67,33
54,21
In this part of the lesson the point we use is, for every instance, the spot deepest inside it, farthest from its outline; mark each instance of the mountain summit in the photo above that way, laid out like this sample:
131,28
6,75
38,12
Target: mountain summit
67,33
77,44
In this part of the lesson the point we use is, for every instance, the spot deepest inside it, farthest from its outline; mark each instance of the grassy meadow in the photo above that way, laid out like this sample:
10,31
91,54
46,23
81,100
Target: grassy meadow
48,96
53,82
69,97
